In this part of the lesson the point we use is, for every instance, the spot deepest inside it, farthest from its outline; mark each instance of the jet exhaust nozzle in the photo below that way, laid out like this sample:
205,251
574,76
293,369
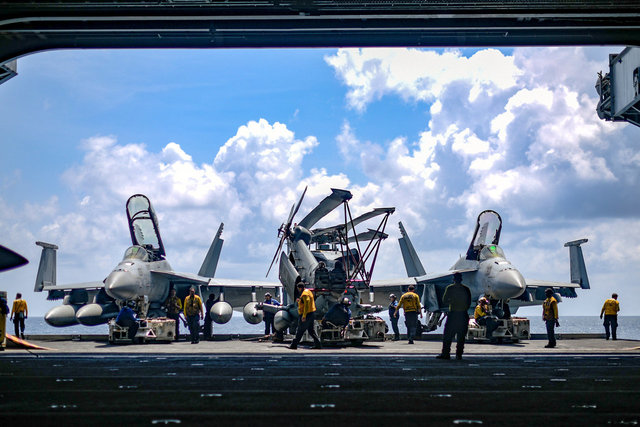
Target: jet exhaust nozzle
252,314
221,312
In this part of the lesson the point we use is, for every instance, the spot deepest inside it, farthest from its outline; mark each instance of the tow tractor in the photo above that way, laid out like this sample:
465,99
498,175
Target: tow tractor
513,330
157,329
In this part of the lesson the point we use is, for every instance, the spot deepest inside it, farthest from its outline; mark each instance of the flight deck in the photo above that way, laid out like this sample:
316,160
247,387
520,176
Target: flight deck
243,381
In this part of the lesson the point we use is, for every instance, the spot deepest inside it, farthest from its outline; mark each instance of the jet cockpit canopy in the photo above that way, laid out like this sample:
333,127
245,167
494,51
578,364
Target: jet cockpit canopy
486,235
136,252
143,226
490,251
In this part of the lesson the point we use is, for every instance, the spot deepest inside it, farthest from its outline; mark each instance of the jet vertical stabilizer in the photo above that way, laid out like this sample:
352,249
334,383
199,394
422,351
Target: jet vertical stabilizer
47,268
210,262
409,256
576,264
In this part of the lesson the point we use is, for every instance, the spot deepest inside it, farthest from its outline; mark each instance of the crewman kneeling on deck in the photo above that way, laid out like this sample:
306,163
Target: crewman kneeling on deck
306,317
338,315
127,319
173,305
483,317
610,310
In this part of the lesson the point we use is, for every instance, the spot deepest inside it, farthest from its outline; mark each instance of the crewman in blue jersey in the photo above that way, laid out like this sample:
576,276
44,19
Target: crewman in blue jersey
127,319
268,317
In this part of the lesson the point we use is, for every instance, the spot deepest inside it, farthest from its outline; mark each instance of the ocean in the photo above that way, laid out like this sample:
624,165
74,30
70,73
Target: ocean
628,326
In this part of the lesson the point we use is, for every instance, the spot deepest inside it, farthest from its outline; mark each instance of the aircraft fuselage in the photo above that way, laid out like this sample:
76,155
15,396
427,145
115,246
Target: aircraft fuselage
132,278
495,277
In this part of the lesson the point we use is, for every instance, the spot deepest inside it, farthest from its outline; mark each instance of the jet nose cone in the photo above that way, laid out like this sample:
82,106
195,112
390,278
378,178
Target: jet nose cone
509,284
121,285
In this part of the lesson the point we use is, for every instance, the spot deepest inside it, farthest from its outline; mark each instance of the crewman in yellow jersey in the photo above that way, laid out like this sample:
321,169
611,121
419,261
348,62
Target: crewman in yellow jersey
610,311
410,302
483,317
193,308
306,317
19,313
550,317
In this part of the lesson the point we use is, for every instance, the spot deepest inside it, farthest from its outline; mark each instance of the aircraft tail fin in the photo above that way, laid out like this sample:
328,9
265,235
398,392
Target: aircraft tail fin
47,268
411,261
576,263
210,263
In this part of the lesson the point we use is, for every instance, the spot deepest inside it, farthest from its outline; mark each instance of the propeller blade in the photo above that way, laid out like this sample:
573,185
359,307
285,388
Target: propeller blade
328,204
297,206
284,236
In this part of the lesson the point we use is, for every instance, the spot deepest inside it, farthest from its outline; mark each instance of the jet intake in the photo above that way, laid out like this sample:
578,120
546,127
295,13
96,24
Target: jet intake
62,315
251,313
221,312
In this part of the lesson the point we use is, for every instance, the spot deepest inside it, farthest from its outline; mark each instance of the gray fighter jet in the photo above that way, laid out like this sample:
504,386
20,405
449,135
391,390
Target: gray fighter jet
485,270
144,273
333,262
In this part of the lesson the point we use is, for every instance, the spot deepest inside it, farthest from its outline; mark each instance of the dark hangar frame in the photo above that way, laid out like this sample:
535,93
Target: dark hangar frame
31,26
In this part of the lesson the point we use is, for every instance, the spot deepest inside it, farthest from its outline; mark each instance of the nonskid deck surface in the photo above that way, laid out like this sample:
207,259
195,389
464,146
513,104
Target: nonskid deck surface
582,382
62,389
255,346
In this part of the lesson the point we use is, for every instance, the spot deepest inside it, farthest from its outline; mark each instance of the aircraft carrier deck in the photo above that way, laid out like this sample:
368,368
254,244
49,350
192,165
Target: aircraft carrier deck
242,381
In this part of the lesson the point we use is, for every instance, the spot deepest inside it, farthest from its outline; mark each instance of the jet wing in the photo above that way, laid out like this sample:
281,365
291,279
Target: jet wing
194,279
237,291
74,286
429,286
536,288
532,283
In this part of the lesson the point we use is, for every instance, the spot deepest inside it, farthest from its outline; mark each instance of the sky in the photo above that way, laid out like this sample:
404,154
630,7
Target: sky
235,136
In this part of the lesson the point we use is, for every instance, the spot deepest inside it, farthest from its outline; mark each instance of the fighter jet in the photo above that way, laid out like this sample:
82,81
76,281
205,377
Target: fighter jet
485,270
333,262
145,274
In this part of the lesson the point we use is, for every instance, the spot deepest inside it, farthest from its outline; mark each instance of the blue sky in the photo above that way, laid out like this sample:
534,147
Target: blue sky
235,135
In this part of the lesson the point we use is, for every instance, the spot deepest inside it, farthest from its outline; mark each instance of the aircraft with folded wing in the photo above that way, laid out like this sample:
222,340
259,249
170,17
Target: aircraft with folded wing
334,263
485,270
144,273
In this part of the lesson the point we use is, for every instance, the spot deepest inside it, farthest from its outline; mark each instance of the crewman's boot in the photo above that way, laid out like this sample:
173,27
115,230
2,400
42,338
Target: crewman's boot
443,356
396,337
318,345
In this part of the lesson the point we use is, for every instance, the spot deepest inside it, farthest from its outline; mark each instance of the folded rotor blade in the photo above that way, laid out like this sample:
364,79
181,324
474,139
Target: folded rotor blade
368,235
371,214
328,204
